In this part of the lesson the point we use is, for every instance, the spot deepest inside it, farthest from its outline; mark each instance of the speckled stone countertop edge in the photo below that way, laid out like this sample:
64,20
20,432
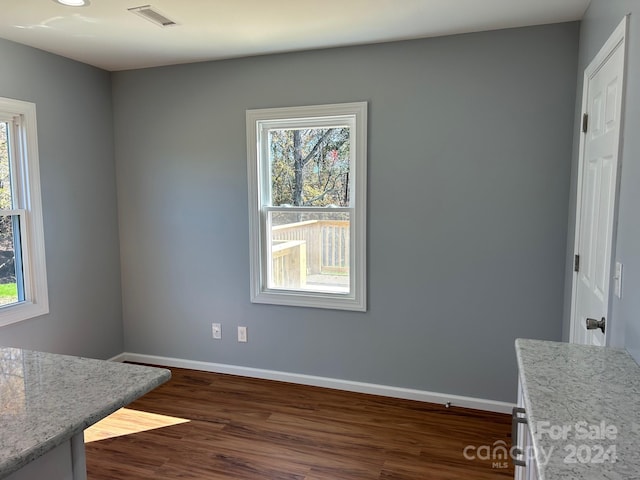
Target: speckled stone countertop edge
548,363
27,456
53,442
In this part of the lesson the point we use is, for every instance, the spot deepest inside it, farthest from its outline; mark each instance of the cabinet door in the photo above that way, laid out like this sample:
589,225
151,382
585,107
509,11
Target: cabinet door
64,462
522,440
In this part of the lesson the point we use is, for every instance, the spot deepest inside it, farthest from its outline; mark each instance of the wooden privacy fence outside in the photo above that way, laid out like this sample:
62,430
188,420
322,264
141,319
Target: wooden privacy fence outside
320,246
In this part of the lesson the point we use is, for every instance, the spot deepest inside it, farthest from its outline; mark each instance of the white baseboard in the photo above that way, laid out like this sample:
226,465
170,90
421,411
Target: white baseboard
121,357
335,383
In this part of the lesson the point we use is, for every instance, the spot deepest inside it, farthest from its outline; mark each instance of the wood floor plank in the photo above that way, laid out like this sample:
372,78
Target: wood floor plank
243,428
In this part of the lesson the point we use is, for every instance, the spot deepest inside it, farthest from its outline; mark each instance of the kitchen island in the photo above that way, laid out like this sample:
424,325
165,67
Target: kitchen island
48,400
582,408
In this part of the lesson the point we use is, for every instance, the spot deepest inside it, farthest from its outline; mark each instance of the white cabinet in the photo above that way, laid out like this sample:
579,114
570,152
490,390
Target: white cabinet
523,456
64,462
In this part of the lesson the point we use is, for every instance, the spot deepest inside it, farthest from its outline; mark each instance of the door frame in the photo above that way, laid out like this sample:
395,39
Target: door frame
616,40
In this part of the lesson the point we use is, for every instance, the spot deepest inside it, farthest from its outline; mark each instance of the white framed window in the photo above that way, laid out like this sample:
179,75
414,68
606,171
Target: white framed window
307,205
23,275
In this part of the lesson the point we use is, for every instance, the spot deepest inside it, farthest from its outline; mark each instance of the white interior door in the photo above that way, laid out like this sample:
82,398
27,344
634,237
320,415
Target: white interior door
597,191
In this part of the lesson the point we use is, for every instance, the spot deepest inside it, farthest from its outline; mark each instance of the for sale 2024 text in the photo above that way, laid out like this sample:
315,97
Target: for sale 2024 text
585,442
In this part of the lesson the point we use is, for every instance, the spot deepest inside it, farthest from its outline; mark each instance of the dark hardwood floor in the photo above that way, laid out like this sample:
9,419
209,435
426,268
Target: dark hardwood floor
241,428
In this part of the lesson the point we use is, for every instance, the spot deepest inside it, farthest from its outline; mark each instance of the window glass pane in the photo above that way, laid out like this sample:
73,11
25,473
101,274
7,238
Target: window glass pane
310,167
309,251
5,170
11,287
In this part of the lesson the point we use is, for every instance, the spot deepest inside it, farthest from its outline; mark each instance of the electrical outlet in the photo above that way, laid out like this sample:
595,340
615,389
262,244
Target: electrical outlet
216,331
242,334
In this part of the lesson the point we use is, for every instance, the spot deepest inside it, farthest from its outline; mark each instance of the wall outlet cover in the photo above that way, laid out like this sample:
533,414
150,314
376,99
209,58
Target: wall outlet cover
242,334
216,331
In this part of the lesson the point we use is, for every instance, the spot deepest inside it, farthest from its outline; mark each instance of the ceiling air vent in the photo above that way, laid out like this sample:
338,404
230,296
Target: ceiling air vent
148,12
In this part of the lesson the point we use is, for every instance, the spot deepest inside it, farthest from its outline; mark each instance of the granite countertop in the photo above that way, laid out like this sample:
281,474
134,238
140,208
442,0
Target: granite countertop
45,399
583,408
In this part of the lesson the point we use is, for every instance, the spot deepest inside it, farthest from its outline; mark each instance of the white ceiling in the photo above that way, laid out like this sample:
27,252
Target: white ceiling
106,35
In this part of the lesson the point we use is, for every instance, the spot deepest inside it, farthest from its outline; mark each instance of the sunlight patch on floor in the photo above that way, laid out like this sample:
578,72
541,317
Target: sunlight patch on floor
127,421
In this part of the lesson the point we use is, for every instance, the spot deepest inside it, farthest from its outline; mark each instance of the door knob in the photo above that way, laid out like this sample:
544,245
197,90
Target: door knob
593,324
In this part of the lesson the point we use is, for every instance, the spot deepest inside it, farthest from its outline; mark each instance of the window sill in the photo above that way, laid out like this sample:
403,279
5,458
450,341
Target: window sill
311,300
18,312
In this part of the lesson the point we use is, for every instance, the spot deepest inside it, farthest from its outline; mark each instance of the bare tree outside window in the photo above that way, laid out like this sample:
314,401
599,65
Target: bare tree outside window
310,167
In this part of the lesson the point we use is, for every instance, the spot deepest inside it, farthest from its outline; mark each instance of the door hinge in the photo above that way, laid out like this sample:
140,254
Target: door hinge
576,263
585,122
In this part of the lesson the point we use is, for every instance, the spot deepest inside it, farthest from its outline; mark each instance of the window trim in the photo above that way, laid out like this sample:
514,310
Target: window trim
315,115
27,167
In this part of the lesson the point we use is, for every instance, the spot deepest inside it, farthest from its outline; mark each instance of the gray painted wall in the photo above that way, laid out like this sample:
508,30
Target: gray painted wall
600,20
469,167
75,137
